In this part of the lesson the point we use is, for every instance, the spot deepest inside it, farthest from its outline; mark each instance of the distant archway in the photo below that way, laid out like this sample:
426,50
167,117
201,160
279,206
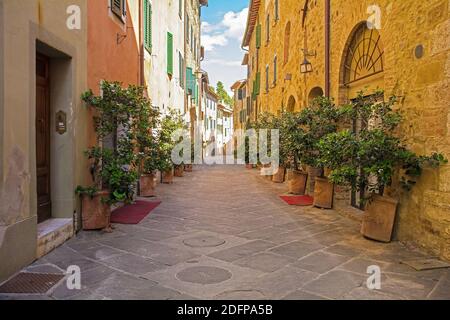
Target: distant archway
291,104
315,93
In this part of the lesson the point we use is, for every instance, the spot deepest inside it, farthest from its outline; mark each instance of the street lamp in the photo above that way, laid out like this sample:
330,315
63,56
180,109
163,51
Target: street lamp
306,66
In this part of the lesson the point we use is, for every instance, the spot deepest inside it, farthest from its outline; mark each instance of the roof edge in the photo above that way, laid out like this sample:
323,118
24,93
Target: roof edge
252,12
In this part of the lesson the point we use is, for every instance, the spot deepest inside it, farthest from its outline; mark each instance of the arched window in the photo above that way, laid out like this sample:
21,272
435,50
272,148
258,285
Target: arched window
287,41
291,104
364,55
315,93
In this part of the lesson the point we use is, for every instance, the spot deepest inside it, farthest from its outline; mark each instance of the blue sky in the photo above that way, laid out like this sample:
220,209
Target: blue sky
223,26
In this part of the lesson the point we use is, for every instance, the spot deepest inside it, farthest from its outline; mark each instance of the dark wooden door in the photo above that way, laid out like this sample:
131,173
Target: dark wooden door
43,139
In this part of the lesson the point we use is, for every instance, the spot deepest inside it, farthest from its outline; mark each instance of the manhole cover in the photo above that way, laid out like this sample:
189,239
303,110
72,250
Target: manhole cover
31,283
204,242
204,275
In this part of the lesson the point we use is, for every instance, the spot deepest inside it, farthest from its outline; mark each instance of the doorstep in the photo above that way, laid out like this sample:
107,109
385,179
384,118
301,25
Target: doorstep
53,233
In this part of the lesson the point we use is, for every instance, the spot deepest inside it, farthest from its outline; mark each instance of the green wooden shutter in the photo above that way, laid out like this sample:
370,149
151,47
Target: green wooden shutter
258,36
148,25
169,53
189,81
258,83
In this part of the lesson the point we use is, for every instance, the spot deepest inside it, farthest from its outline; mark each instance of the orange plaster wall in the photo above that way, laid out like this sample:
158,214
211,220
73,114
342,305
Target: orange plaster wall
108,60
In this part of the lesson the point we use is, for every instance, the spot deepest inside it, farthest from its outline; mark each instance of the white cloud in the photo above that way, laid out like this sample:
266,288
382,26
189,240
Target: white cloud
212,41
232,27
235,22
227,63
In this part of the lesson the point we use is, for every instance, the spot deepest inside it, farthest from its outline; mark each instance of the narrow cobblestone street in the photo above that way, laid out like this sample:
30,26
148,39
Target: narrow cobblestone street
223,233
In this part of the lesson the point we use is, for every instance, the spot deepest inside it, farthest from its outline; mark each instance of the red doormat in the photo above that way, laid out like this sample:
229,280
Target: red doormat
133,213
298,200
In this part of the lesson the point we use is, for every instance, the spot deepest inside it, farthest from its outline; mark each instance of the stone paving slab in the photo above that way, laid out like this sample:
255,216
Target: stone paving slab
222,232
173,277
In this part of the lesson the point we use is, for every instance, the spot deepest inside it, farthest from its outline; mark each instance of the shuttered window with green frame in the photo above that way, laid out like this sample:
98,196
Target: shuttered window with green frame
169,53
258,83
148,25
258,36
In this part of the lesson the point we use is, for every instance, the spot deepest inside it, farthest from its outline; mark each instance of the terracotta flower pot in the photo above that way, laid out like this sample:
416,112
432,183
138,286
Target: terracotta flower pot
249,166
379,218
147,185
167,176
313,173
179,171
323,193
289,174
95,212
266,172
297,182
278,177
188,167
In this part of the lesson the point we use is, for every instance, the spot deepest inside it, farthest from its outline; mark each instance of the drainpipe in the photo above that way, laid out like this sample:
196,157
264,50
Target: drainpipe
141,46
327,46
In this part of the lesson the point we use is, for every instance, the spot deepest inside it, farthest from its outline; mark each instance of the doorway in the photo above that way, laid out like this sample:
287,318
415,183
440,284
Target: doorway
43,170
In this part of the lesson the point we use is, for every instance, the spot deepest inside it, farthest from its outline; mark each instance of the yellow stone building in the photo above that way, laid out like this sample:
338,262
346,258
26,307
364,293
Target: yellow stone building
300,49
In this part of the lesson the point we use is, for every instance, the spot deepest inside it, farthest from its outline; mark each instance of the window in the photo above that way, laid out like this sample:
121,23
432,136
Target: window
364,56
180,8
148,25
268,28
119,8
187,29
258,36
181,69
258,83
192,38
267,78
275,70
287,41
169,53
195,49
277,10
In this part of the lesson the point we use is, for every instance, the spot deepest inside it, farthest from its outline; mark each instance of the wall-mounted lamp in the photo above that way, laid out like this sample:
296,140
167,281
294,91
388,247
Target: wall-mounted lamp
306,66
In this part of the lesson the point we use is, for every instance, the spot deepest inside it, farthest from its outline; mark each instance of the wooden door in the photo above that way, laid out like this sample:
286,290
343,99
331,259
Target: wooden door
43,139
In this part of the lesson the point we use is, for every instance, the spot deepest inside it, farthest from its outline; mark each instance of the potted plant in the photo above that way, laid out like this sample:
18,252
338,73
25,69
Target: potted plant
172,122
179,170
265,123
150,165
367,158
112,165
317,121
189,167
149,152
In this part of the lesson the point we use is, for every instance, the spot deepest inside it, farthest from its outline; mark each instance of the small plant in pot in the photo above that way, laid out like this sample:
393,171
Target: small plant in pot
266,122
113,161
317,121
367,159
289,132
150,165
170,123
147,140
179,170
189,167
292,144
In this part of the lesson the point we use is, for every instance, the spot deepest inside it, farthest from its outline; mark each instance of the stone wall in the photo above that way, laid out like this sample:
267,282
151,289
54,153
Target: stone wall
422,82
